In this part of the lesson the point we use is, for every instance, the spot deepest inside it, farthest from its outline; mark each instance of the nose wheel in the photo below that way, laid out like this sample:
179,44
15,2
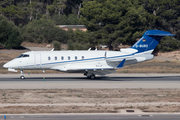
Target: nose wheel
22,75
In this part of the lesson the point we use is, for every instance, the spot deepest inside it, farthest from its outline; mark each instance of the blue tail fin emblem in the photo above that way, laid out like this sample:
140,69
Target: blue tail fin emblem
150,40
121,64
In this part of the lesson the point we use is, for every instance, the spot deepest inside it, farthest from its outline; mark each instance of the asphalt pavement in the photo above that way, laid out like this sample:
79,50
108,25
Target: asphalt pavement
76,81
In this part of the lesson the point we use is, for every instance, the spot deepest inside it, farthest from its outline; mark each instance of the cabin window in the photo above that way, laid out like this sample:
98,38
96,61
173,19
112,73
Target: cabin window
69,58
75,57
49,58
62,58
82,57
55,58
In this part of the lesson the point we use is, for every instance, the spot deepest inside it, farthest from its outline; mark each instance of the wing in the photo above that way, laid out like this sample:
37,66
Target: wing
95,69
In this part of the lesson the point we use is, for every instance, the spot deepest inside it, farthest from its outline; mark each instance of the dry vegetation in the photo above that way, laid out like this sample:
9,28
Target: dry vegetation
153,66
89,100
173,54
28,44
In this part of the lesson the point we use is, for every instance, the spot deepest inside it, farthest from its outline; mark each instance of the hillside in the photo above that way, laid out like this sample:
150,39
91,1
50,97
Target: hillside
108,22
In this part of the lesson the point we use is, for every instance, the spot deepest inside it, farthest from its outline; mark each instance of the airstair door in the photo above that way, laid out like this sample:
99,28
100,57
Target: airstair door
37,60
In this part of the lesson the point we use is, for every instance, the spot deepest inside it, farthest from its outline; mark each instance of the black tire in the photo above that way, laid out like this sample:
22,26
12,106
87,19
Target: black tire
22,77
92,76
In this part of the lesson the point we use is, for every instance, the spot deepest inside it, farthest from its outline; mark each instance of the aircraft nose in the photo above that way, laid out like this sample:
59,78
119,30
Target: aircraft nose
6,65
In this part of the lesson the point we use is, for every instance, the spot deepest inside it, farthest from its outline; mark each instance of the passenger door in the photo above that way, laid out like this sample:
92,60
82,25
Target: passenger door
37,60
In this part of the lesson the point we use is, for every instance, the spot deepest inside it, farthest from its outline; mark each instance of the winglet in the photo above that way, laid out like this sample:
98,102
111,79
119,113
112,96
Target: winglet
121,64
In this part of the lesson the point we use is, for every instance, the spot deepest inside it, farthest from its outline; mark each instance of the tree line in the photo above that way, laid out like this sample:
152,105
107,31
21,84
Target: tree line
109,22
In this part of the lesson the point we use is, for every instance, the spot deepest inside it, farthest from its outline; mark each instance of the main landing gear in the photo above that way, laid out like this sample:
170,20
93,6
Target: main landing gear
22,75
90,76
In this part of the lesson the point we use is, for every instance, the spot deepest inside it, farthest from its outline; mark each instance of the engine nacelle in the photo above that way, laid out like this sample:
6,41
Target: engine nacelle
144,58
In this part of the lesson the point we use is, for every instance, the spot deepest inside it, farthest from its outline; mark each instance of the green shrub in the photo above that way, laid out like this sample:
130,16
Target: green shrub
56,45
70,45
168,44
10,35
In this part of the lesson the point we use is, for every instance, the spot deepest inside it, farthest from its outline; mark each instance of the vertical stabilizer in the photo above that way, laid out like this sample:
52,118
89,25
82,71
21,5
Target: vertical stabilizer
150,40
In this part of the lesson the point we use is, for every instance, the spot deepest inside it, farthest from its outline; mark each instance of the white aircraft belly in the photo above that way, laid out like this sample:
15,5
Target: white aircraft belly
83,65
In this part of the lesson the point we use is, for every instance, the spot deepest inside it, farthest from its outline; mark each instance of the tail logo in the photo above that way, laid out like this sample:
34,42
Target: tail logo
142,46
144,40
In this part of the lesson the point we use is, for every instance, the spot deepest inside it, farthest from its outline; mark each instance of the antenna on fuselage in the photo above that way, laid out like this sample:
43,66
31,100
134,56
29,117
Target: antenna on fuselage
89,49
52,49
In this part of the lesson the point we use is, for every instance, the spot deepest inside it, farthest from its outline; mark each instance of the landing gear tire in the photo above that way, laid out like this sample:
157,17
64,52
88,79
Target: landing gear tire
92,77
22,77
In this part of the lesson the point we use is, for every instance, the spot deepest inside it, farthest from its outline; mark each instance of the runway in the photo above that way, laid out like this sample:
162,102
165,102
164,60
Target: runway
78,81
92,117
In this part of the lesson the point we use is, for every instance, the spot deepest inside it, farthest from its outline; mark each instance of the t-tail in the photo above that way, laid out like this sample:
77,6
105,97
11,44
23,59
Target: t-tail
150,40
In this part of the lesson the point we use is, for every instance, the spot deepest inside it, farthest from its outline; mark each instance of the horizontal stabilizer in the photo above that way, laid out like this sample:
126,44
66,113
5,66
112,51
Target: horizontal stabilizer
121,64
158,33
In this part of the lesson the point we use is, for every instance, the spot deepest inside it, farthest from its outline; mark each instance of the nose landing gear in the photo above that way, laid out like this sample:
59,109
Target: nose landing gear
22,75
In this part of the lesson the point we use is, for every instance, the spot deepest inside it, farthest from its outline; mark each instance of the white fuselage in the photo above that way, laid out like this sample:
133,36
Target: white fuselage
75,60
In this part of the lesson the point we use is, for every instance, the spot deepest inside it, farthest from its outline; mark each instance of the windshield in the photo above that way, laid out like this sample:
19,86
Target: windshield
23,55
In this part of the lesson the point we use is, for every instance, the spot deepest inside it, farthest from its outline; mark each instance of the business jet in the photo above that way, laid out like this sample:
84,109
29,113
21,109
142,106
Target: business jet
89,62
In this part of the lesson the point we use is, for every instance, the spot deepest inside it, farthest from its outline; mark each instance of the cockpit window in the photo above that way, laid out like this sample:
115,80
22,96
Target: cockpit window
20,56
23,55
